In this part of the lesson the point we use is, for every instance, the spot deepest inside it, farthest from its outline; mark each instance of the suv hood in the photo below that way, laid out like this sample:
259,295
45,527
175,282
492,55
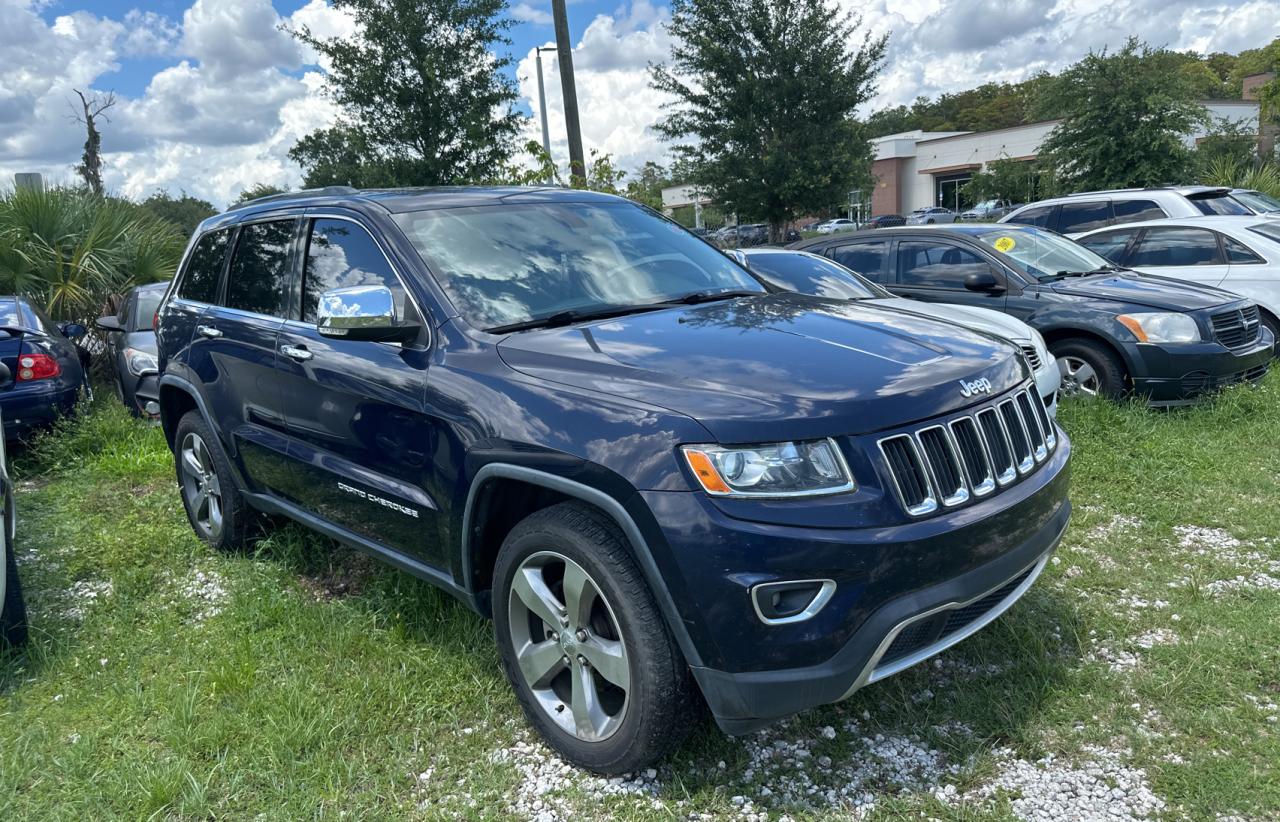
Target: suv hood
775,367
1144,289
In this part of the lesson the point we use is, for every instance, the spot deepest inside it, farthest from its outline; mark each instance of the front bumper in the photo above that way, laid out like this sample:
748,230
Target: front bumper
1180,374
902,593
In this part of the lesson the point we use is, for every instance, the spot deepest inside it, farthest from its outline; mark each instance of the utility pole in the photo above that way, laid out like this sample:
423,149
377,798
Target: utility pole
542,102
577,163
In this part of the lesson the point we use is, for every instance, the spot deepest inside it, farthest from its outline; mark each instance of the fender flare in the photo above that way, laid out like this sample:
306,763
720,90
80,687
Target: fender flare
613,509
188,388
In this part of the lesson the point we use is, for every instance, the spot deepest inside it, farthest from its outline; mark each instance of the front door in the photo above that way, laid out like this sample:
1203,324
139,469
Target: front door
935,271
1185,253
359,431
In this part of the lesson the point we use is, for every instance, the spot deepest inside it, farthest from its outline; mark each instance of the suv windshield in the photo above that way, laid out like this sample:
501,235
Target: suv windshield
1259,202
1219,204
1041,254
509,264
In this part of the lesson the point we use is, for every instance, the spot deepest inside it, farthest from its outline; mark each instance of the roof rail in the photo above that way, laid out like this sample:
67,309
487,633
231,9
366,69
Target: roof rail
327,191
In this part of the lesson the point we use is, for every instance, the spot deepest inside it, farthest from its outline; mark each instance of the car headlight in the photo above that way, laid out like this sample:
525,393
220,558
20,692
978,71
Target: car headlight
1161,327
140,363
784,469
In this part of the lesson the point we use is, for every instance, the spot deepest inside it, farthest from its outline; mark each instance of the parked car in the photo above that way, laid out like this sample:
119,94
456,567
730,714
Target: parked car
929,216
657,477
1239,254
46,368
838,224
988,210
1112,331
131,349
13,609
807,273
885,221
1257,201
1077,214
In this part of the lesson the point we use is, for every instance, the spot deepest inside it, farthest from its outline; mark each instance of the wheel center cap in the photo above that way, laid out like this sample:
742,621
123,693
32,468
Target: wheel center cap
568,643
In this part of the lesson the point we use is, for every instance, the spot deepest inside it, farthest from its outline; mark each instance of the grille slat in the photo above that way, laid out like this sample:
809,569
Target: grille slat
946,463
1032,355
1237,328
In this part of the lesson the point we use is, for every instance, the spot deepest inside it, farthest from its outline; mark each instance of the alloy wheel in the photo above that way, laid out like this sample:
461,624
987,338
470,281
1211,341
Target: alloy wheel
1078,377
568,646
201,488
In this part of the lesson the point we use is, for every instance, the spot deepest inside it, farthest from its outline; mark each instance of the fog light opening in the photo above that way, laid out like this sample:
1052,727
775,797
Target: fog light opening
782,603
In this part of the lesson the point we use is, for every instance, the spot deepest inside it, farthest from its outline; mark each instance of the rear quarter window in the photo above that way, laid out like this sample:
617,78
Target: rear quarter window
204,268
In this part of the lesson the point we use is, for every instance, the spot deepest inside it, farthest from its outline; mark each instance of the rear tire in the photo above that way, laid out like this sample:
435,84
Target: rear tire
625,697
215,507
1090,368
1274,325
13,610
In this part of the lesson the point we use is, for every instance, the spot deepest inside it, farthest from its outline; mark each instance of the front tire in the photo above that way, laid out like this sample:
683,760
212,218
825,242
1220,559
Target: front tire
1090,368
215,508
596,671
13,608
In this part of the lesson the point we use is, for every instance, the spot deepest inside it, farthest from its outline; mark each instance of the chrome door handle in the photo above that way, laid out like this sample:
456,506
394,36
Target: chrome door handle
296,353
208,331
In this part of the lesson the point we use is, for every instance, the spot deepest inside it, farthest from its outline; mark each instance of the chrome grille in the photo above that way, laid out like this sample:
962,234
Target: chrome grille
1237,328
944,464
1032,355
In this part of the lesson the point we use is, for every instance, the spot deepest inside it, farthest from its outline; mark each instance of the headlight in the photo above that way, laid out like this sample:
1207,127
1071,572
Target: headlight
140,363
784,469
1161,327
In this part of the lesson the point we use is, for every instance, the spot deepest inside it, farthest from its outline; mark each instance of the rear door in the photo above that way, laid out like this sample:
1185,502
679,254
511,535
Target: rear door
1186,253
935,271
234,351
1076,218
870,258
360,434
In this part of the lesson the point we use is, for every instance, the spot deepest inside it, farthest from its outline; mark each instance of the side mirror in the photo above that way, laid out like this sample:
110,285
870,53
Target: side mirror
108,323
362,312
6,376
983,281
72,330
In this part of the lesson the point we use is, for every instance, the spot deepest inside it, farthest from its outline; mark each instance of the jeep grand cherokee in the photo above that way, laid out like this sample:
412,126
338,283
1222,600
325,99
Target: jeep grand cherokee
663,483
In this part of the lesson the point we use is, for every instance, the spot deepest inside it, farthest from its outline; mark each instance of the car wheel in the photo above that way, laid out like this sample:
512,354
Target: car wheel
1089,368
929,221
582,641
13,608
1271,323
217,511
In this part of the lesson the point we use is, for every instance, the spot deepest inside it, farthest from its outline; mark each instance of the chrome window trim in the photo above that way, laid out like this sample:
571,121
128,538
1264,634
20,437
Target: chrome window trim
930,503
962,493
826,590
988,484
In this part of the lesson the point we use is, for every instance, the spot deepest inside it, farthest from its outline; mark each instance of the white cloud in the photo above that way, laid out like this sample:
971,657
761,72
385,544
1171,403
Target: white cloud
526,13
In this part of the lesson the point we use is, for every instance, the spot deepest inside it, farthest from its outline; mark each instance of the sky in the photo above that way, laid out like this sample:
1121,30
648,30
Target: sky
211,94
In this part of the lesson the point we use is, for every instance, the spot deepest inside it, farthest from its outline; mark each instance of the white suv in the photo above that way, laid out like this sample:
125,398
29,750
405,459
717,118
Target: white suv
1076,214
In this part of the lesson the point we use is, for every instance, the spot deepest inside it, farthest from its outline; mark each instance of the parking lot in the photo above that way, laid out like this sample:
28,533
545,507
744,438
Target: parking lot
1137,679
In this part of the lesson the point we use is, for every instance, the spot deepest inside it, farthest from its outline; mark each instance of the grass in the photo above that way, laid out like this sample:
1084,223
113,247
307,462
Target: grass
303,680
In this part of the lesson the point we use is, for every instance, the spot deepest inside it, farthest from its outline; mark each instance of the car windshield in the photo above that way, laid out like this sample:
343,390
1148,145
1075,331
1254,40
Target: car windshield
810,274
1269,230
144,314
985,204
1259,202
1041,254
509,264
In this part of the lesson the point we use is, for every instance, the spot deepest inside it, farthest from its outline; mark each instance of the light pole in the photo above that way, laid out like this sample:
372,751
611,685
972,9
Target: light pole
542,101
577,163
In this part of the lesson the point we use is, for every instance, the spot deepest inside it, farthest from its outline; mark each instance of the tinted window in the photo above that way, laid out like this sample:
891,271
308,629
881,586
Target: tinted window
1080,217
200,281
865,258
258,278
145,304
1176,246
937,265
340,255
1269,230
514,263
808,274
1219,204
1238,252
1109,244
1038,216
1136,211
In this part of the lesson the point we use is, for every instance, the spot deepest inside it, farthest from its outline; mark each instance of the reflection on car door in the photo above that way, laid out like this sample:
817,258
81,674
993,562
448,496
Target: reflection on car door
935,271
359,432
1185,253
234,352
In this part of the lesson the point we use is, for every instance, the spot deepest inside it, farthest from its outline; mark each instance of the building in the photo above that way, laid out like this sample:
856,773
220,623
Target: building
916,169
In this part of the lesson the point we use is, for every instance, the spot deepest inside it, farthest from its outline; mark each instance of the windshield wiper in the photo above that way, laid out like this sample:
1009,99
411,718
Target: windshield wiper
1100,270
574,315
695,297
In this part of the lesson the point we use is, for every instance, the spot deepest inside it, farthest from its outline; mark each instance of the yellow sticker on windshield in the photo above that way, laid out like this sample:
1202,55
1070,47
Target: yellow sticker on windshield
1004,245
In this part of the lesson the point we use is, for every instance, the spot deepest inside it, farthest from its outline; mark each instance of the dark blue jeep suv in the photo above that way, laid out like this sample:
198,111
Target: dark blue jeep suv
663,483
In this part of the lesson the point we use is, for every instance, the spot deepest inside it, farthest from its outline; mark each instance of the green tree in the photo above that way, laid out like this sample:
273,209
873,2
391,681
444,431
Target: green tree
423,94
765,94
1016,180
184,211
1124,117
257,190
